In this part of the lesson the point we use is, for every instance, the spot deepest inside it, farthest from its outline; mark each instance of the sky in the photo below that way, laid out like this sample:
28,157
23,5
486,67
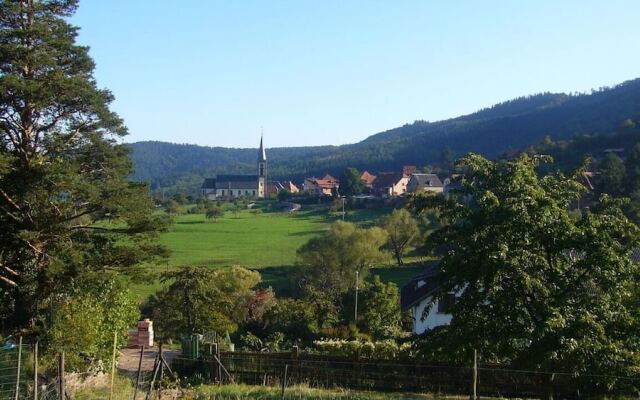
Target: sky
319,72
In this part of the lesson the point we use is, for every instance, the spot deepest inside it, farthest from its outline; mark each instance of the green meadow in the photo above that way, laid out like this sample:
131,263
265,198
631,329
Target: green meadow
265,240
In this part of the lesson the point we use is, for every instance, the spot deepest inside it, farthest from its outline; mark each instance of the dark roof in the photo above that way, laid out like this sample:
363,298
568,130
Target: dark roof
231,182
209,183
237,178
387,179
427,180
411,294
237,182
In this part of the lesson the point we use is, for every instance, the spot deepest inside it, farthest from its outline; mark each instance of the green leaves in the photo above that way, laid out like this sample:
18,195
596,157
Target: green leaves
329,262
540,286
402,230
200,299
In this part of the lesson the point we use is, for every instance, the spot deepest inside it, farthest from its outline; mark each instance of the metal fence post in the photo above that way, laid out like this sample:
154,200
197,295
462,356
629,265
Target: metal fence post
17,393
35,370
113,364
61,386
474,382
135,389
284,381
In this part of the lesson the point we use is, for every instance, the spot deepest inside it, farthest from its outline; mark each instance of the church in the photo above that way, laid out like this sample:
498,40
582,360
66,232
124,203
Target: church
235,186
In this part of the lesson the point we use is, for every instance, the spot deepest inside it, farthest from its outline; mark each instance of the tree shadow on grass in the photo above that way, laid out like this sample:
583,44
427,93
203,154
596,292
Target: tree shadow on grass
190,222
278,278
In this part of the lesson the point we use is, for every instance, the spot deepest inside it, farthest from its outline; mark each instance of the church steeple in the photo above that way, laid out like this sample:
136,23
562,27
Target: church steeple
262,171
262,155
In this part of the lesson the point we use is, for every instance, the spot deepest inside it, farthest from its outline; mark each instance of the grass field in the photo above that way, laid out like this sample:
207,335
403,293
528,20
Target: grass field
266,241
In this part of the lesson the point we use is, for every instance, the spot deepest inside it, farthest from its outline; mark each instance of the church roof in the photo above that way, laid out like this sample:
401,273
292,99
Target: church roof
231,182
237,182
209,183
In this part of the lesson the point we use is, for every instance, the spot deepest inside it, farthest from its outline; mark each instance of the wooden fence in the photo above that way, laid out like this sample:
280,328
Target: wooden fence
398,376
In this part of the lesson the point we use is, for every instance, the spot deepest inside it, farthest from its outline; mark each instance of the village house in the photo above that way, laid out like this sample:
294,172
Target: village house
417,295
389,184
367,179
425,183
277,186
235,186
327,185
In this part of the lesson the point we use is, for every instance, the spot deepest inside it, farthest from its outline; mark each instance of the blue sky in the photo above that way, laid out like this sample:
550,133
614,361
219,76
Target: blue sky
317,72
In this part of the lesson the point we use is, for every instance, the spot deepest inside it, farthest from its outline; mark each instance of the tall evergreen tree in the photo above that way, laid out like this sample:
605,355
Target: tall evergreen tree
632,164
66,205
611,175
350,182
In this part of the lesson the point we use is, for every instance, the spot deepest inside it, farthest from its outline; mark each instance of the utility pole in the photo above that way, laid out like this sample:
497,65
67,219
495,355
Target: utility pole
355,308
343,210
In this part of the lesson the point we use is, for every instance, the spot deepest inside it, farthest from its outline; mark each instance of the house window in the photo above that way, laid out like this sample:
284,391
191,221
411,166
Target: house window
445,303
223,192
246,192
254,193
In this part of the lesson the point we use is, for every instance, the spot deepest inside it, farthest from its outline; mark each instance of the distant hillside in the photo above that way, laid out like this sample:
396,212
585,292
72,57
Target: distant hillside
514,124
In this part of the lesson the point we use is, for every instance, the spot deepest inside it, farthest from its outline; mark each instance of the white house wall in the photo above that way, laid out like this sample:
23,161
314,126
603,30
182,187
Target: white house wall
433,319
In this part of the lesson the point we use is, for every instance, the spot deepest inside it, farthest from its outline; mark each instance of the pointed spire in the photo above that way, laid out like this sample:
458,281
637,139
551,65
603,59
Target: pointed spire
262,155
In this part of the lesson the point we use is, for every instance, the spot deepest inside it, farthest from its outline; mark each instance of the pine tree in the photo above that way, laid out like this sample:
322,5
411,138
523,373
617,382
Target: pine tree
66,205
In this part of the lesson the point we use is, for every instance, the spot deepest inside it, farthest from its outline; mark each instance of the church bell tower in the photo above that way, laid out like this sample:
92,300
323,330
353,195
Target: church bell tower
262,172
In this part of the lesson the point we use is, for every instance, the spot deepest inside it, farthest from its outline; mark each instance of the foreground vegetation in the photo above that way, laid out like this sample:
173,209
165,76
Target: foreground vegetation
240,392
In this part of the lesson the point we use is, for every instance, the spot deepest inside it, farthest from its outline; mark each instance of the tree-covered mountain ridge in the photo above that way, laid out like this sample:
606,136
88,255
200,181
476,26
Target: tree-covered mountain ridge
513,124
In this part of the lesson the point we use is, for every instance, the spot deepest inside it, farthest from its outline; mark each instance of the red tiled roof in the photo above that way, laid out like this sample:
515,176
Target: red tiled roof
330,178
367,178
408,170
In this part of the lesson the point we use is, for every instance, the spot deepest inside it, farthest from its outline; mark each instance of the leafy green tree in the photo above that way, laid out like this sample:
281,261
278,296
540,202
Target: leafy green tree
284,195
610,176
350,182
215,213
66,204
537,286
95,308
296,318
238,205
180,198
201,299
329,262
401,229
173,207
378,308
632,164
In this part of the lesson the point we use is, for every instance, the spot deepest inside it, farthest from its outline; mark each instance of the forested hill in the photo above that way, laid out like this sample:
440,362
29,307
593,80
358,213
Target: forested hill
514,124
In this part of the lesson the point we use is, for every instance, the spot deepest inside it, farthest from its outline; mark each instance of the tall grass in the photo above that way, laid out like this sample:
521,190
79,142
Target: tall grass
242,392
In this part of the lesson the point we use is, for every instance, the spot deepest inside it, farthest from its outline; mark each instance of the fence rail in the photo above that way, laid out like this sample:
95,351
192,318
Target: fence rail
396,376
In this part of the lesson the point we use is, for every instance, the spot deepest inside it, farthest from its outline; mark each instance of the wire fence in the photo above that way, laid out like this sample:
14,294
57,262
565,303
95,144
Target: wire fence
148,376
14,378
393,376
20,380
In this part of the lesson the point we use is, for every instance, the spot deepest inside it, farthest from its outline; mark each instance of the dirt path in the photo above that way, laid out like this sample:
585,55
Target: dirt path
130,357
